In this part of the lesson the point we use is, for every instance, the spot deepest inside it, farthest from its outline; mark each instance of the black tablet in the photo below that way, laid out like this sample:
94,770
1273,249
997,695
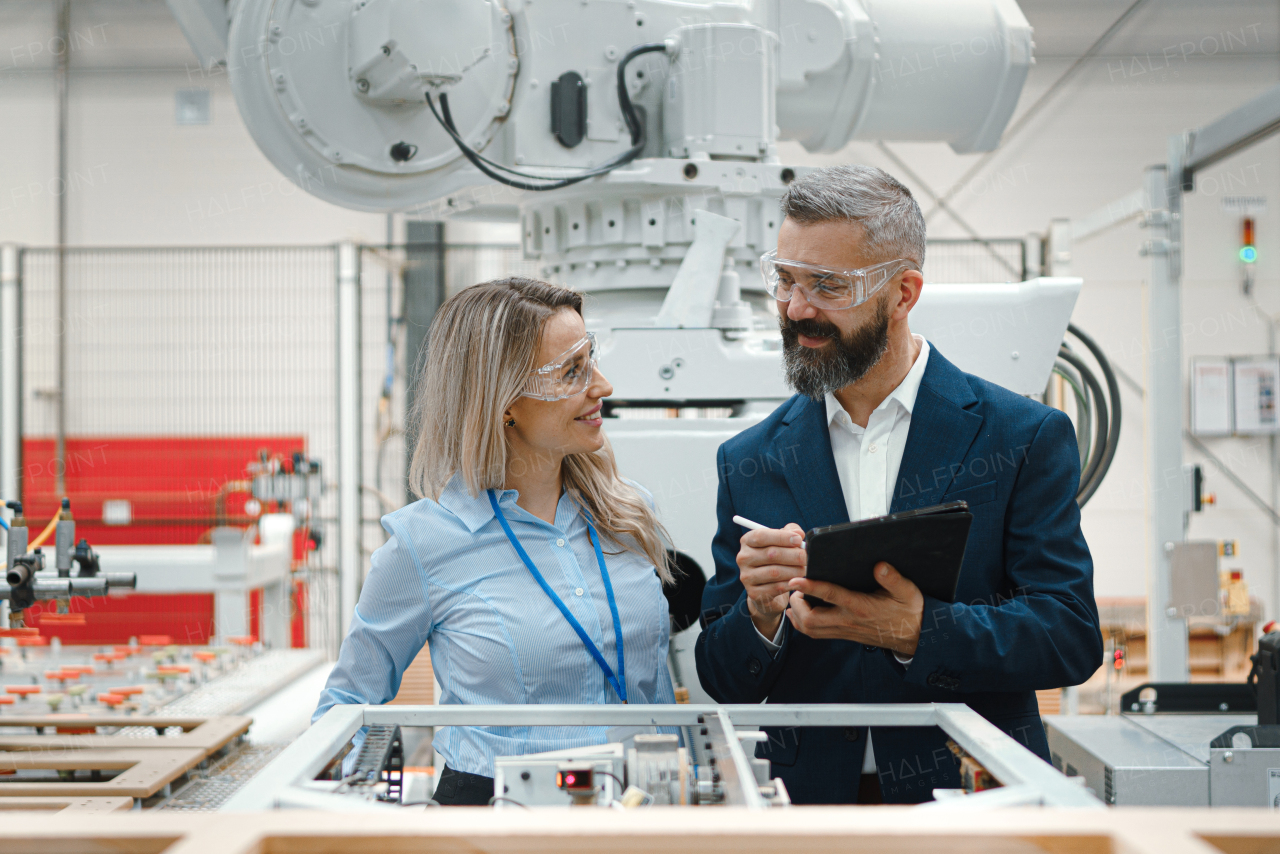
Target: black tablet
925,545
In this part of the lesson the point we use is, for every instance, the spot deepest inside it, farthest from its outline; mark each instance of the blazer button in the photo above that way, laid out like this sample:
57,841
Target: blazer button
933,679
852,733
753,667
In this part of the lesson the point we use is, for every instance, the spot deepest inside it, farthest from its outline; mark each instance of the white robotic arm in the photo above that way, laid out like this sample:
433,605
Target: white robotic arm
334,91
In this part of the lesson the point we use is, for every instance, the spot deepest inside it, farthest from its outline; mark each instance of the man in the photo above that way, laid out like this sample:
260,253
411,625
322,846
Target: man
882,423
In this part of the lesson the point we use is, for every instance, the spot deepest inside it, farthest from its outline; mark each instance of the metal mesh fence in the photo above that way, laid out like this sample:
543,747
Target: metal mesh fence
466,265
182,367
959,262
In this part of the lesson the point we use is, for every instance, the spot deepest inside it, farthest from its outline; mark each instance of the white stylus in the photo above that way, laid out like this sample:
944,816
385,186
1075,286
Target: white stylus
754,526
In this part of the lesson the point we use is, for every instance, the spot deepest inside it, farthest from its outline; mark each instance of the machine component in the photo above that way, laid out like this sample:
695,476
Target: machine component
288,480
719,102
380,764
65,539
657,766
1207,753
569,109
1264,681
578,782
973,777
323,87
582,777
1127,761
1188,697
27,581
727,775
1169,760
1098,430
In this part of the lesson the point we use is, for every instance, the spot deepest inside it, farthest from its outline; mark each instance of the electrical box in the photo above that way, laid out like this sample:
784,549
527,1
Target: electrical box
1254,383
1235,396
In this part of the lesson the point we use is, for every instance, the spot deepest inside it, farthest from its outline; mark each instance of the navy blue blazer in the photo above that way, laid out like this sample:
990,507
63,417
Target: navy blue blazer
1024,618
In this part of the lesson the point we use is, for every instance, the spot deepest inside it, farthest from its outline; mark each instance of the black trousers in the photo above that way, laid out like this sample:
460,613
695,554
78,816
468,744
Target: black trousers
460,789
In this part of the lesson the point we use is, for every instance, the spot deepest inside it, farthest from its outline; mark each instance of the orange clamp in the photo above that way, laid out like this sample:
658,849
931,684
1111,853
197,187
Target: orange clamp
62,619
22,690
111,700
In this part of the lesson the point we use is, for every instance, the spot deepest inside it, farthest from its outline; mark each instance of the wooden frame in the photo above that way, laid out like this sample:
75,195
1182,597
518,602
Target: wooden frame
143,772
67,805
672,830
207,734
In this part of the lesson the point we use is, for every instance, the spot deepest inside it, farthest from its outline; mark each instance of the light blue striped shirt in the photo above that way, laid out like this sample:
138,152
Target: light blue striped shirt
449,577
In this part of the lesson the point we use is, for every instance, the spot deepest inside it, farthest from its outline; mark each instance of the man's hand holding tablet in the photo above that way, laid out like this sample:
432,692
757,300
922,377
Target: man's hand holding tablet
771,564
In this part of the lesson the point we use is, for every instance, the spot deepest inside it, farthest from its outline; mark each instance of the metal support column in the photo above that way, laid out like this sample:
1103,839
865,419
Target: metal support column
63,81
1166,632
350,559
424,291
10,382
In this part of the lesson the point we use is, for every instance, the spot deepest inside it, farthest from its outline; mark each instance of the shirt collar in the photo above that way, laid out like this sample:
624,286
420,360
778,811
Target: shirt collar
905,394
473,511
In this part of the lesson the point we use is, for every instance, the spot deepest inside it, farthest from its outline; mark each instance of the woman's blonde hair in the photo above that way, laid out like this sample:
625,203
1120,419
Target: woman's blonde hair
482,345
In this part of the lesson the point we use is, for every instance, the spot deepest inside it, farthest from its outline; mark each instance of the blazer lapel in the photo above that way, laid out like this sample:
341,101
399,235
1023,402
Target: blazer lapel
804,445
942,430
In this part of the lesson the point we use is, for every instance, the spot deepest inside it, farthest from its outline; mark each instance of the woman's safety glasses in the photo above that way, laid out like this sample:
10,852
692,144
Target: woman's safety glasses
568,375
824,287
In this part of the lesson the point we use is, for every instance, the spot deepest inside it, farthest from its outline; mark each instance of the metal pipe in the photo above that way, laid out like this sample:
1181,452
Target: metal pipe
63,73
350,558
1166,632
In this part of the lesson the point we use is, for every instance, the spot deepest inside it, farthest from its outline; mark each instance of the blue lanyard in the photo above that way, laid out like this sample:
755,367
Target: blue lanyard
618,682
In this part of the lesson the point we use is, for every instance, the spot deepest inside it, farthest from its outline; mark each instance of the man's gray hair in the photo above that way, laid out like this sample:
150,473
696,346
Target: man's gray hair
892,224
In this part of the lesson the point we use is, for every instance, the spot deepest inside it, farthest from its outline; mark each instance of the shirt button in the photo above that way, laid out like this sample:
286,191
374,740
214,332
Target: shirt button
872,449
561,543
578,591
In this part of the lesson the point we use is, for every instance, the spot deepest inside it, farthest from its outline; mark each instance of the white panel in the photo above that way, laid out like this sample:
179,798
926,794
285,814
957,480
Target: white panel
1211,405
1255,384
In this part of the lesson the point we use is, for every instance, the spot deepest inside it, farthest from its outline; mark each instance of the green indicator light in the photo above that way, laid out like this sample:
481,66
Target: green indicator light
1248,254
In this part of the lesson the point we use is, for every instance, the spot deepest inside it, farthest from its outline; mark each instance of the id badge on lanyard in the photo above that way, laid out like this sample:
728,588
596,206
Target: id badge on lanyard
618,681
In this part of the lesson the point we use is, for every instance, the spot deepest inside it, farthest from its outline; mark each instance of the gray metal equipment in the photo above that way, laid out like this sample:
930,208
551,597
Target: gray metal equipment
1168,759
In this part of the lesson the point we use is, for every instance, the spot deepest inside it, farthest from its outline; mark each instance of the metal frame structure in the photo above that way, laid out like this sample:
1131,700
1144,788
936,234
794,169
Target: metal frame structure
1163,187
289,781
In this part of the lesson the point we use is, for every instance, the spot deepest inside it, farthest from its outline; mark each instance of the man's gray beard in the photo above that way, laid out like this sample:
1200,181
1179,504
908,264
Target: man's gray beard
817,373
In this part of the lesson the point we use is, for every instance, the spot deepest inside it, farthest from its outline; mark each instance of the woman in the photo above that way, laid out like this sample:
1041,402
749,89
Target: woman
533,571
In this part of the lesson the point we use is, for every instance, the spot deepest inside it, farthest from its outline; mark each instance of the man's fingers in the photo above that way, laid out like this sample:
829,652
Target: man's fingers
765,592
790,536
772,555
825,591
769,574
899,586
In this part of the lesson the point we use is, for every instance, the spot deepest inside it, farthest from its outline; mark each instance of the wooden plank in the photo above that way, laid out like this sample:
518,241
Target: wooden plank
207,734
67,805
142,772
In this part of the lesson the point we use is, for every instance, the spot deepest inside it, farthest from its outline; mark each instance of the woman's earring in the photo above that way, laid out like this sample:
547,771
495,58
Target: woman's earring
510,422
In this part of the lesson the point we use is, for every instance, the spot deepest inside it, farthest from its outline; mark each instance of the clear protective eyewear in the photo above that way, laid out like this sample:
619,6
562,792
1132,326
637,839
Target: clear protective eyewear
824,287
567,375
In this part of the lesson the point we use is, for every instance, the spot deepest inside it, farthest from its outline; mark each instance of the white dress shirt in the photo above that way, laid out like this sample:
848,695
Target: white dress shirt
867,462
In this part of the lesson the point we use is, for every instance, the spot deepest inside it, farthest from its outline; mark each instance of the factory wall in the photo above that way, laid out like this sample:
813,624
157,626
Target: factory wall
137,178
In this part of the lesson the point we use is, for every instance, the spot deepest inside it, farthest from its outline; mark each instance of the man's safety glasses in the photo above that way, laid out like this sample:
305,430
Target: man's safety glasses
824,287
568,375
